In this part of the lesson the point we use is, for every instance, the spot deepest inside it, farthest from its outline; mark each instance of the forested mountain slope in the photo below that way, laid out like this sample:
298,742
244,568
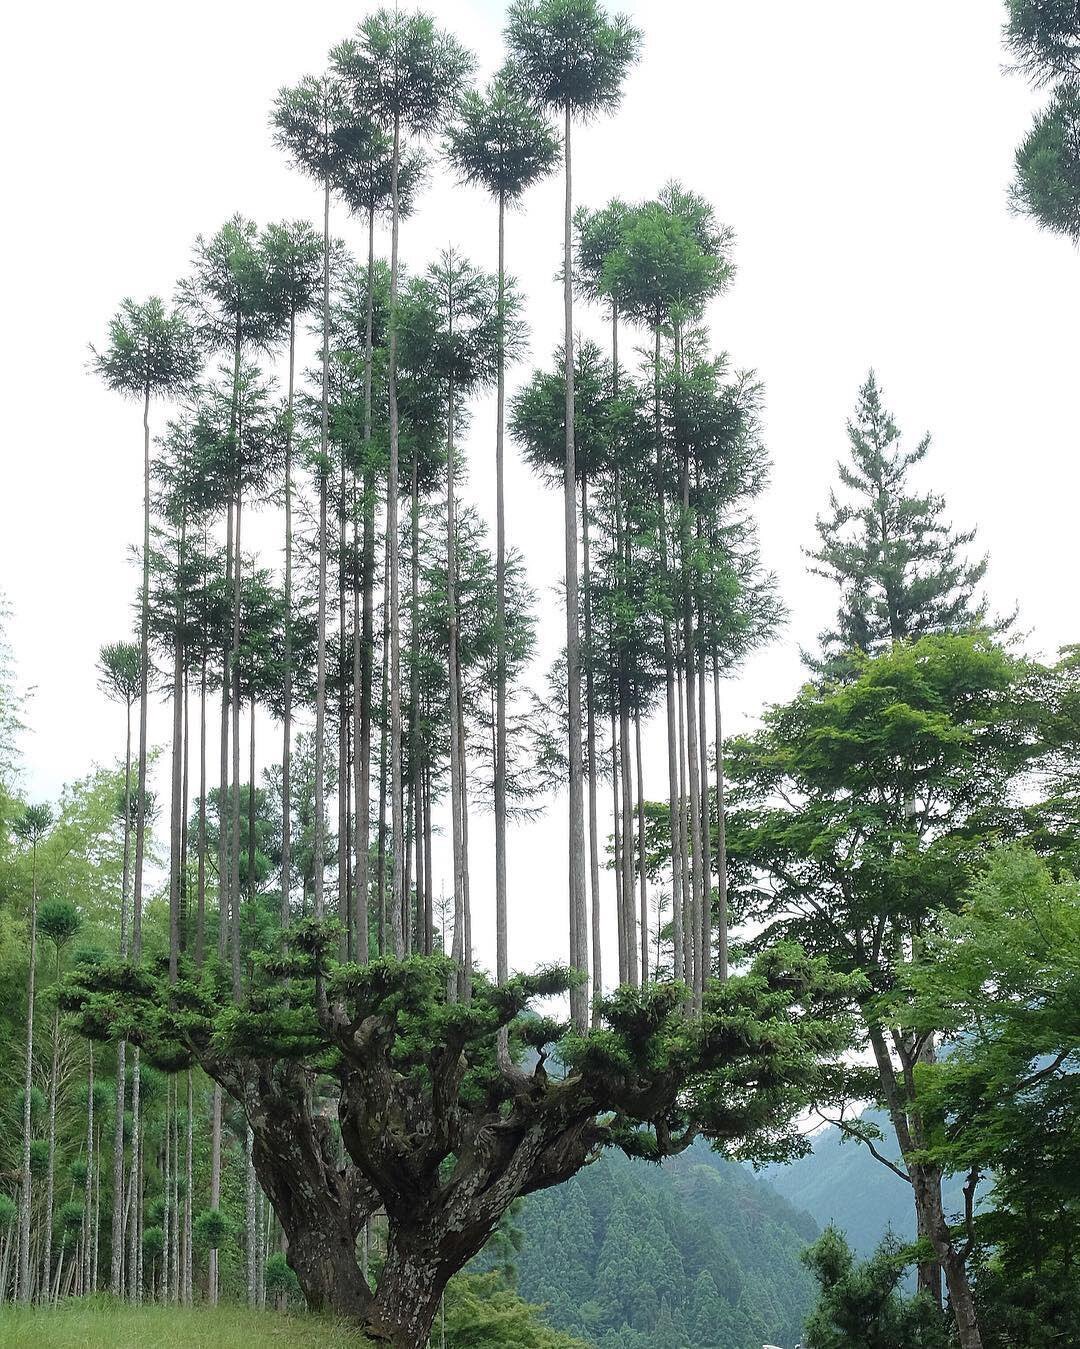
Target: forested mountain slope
696,1253
841,1183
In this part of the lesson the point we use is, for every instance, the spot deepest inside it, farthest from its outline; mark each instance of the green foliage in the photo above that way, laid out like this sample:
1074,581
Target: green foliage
1044,36
211,1229
279,1277
900,568
1004,984
150,351
569,53
481,1313
1047,183
859,1306
58,921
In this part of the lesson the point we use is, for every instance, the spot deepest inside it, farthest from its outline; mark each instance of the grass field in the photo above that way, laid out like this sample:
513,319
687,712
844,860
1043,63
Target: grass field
102,1324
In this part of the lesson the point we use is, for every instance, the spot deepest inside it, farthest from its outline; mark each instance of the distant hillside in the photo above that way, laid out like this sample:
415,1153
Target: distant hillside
841,1183
696,1254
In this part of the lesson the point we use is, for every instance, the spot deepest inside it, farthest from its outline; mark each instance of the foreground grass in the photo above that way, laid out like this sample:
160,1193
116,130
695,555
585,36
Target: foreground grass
102,1324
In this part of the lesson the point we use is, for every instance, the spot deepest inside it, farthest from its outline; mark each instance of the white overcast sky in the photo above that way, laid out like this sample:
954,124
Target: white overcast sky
860,149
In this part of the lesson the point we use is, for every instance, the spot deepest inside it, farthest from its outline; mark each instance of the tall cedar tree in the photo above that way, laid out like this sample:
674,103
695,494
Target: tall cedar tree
572,58
500,142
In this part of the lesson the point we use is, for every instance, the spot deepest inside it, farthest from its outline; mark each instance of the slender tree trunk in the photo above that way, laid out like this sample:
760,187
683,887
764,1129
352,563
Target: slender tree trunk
706,827
643,883
200,843
144,658
501,916
415,749
343,870
364,656
24,1271
287,673
690,915
189,1143
50,1173
693,751
87,1268
619,844
721,829
381,845
456,783
223,766
590,731
176,803
579,941
320,656
396,803
215,1188
117,1252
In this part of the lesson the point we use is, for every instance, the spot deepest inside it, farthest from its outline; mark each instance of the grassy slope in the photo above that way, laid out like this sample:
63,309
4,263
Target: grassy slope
101,1325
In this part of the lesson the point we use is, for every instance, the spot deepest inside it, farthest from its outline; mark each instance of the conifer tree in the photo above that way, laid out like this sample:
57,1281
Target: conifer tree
572,58
900,567
407,72
502,143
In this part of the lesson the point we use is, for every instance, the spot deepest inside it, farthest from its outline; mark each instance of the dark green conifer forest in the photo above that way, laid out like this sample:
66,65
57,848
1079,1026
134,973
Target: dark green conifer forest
272,1067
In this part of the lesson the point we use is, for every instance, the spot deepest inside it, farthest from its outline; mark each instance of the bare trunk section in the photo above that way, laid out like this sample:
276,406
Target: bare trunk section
579,940
396,804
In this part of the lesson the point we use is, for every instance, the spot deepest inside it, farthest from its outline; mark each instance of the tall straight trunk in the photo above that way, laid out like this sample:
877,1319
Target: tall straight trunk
502,968
706,825
414,707
234,801
250,1231
176,803
319,862
643,882
223,769
383,757
135,1188
200,837
88,1271
629,925
24,1270
619,842
396,803
466,900
579,940
185,797
50,1172
456,783
95,1265
690,916
364,653
590,732
721,829
144,694
167,1190
189,1144
345,914
252,883
287,674
675,805
215,1189
429,870
693,751
117,1253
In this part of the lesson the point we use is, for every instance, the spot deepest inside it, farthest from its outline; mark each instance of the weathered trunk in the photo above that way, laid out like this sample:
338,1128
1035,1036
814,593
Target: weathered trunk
144,668
721,829
456,782
501,922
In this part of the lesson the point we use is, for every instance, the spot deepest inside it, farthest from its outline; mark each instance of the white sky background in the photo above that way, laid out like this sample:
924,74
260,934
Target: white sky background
860,149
